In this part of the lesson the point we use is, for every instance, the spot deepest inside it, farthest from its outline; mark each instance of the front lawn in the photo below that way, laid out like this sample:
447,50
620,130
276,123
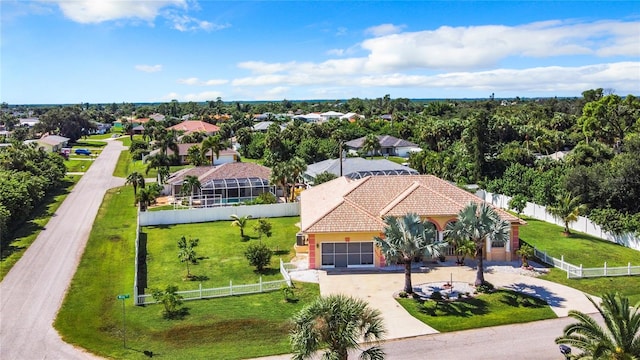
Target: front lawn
126,165
499,308
235,327
221,253
77,165
16,243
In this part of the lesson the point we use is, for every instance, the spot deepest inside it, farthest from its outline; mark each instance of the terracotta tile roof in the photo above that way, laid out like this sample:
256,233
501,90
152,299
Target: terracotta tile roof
360,205
189,126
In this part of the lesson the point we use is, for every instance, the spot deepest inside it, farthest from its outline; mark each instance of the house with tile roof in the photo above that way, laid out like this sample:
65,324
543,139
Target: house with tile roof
229,183
340,218
192,126
225,156
389,145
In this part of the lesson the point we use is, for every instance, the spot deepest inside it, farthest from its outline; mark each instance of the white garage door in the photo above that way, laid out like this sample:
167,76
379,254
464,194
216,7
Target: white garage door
347,254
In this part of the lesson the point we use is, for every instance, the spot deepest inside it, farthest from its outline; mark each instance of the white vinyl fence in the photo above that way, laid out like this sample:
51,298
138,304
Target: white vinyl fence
574,271
169,217
200,293
582,225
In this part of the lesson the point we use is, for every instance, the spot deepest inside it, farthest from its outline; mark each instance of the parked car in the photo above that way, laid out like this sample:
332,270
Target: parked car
83,152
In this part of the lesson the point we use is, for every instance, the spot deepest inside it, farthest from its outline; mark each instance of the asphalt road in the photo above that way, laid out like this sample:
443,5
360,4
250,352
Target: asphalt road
32,292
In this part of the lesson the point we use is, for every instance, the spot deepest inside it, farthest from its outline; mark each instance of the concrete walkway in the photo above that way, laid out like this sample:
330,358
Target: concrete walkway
32,292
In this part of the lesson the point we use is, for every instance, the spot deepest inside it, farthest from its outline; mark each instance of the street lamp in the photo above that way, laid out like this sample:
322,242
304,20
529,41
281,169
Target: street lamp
124,329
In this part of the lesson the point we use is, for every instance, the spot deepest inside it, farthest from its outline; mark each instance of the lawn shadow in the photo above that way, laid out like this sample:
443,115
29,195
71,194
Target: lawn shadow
199,278
281,252
539,292
147,353
267,271
142,263
461,308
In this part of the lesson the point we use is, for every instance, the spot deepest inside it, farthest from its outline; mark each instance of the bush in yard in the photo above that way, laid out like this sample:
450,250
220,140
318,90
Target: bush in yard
485,287
171,300
259,255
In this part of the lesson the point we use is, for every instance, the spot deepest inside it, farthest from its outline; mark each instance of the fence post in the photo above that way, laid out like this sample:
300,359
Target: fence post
200,290
230,287
562,262
628,268
605,268
580,270
260,283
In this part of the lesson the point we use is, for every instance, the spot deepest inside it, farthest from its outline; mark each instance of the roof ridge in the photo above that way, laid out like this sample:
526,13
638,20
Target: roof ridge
403,195
325,214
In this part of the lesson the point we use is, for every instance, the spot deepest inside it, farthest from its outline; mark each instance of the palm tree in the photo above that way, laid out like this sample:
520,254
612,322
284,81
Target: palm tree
525,252
215,144
336,323
145,197
279,176
187,252
135,179
241,222
190,184
158,161
168,140
567,209
297,166
479,223
619,340
195,156
371,144
406,238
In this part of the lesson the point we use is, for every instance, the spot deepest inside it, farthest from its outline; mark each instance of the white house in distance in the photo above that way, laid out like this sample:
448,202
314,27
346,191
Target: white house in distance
53,143
389,145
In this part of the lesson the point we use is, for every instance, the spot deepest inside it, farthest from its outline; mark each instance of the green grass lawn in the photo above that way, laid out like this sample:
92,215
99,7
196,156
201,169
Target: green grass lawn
77,165
587,250
395,159
221,250
19,241
126,166
225,328
499,308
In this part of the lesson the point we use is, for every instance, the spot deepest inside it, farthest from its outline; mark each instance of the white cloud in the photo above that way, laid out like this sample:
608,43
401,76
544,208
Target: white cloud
183,23
336,52
384,29
149,68
197,82
96,11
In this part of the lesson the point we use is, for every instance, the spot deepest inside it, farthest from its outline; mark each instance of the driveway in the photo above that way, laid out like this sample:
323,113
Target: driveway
32,292
377,289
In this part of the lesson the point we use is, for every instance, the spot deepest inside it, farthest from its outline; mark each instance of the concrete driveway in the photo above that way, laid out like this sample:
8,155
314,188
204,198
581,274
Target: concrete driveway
32,292
378,288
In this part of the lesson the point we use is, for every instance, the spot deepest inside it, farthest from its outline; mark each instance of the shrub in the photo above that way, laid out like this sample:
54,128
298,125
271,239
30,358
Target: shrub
259,255
485,287
170,299
402,294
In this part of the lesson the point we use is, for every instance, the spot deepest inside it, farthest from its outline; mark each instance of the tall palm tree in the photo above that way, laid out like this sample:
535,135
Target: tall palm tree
406,238
567,209
336,323
618,340
241,222
145,197
479,223
190,185
136,180
279,177
371,144
195,156
168,140
215,144
297,166
158,161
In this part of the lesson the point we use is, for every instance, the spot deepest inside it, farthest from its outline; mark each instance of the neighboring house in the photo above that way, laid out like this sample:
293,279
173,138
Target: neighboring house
101,128
351,117
261,126
558,155
226,156
29,122
310,118
157,117
340,218
356,168
53,143
229,183
138,130
326,116
191,126
389,145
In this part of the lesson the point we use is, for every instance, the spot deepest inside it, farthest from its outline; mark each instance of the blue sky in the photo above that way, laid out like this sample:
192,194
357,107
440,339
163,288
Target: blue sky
103,51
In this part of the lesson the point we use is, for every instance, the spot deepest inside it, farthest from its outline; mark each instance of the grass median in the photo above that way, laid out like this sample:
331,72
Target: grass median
234,327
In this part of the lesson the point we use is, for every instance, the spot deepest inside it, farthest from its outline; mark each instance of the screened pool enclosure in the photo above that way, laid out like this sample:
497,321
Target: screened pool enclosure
220,192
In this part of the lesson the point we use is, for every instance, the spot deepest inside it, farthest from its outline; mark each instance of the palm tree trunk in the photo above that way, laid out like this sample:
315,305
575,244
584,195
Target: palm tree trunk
480,266
408,288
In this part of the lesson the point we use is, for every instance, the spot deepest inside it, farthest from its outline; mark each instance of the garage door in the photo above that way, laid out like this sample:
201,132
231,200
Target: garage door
347,254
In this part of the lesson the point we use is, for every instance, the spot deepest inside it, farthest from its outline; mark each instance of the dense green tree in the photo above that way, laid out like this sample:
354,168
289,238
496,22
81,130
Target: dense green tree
170,299
259,255
336,325
324,177
371,145
190,185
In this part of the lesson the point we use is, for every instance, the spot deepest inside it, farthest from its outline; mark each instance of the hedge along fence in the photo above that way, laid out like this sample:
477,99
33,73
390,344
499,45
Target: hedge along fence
583,224
170,217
